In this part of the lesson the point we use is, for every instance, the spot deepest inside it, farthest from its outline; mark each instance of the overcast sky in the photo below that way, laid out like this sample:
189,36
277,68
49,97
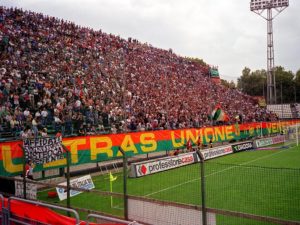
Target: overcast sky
221,32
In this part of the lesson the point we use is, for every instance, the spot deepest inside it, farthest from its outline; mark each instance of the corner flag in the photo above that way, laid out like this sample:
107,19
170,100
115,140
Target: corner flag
111,179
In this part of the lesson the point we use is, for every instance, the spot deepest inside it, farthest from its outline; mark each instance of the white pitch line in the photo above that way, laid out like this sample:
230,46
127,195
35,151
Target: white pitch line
220,171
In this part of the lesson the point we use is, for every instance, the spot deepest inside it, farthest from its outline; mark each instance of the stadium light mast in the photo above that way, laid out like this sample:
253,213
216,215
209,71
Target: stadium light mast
259,7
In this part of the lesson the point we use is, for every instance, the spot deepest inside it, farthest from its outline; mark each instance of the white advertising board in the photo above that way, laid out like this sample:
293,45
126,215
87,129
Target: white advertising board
159,165
216,152
84,182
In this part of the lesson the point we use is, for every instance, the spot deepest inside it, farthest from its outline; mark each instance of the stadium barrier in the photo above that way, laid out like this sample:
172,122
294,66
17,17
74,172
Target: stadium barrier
243,146
189,176
36,211
149,211
109,219
153,211
162,164
269,141
98,148
2,219
21,211
216,152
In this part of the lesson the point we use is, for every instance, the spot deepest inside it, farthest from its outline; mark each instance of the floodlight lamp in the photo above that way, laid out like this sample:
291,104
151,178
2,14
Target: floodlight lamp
268,4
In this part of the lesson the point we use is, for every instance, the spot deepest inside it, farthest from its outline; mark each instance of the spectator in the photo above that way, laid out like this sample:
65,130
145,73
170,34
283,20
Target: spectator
29,170
62,75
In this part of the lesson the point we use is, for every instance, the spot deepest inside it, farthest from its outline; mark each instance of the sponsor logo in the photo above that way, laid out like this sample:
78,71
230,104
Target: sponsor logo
242,147
264,142
213,153
142,170
165,164
278,139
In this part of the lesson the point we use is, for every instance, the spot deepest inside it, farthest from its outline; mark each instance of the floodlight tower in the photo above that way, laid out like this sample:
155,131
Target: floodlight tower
259,7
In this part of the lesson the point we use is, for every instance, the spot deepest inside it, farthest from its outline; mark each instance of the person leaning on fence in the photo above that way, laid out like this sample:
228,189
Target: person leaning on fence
199,144
29,170
189,145
176,152
210,143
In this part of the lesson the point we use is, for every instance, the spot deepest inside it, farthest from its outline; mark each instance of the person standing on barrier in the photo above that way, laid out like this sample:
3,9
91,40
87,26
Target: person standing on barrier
29,170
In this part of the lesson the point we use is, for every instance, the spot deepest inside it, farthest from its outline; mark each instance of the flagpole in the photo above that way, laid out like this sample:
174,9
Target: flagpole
111,189
111,197
297,140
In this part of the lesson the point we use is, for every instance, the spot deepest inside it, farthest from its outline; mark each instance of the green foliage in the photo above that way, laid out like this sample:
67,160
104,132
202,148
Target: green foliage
254,83
297,86
284,85
227,84
197,60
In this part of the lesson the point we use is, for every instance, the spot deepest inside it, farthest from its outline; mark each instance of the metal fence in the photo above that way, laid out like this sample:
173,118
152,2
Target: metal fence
207,193
220,193
9,216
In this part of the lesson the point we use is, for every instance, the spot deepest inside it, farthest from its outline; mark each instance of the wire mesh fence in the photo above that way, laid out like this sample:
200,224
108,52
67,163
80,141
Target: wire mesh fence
261,191
235,193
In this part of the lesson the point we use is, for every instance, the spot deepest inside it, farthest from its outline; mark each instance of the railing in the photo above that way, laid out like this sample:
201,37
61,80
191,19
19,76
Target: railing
109,219
1,210
7,216
10,218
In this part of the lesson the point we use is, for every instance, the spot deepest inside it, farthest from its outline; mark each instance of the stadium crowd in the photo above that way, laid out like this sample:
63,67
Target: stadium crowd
76,80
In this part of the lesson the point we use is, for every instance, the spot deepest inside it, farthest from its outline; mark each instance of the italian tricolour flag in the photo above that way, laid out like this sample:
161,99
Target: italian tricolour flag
218,114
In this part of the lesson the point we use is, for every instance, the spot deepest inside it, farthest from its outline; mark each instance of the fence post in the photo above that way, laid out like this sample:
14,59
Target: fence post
68,177
203,195
24,172
125,183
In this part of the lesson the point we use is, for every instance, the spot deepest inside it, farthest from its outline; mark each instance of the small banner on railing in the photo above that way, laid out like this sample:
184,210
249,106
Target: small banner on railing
43,150
31,190
84,182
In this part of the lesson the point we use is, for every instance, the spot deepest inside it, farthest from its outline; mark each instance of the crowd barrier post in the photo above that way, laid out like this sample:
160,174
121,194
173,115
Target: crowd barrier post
68,177
2,216
203,195
125,183
24,171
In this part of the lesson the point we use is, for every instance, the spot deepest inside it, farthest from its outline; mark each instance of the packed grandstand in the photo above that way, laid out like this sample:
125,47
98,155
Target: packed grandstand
63,77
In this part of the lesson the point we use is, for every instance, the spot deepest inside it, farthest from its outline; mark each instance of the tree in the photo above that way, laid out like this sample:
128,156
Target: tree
252,83
255,84
285,84
197,60
297,87
227,84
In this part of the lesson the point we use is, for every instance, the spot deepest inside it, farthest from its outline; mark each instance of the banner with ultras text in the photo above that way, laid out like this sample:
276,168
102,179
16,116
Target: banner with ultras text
97,148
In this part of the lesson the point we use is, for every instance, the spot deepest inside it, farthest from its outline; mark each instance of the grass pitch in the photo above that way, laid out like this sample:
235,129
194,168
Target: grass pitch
259,182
